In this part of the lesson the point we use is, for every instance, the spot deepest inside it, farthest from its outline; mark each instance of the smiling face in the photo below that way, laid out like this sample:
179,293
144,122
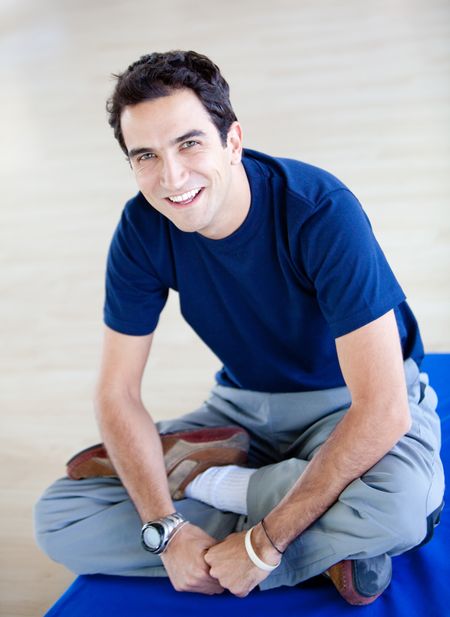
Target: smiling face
181,166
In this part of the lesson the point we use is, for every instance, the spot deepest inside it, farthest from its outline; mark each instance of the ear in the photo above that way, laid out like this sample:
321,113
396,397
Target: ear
234,143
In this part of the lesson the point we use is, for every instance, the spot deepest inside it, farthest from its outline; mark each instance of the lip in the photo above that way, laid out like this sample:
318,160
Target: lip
187,204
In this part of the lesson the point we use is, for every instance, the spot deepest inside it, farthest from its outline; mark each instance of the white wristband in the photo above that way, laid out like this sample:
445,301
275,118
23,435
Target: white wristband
259,563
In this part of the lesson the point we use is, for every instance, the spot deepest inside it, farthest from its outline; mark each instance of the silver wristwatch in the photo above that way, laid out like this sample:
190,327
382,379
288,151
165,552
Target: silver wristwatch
156,535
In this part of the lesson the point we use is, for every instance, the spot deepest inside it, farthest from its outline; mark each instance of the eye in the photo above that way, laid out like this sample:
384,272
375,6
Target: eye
145,157
189,144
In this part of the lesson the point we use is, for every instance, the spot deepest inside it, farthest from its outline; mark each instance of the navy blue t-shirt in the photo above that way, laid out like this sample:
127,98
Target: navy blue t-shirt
302,269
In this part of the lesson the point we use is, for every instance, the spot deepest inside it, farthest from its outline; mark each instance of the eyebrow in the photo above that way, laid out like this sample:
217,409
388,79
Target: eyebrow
194,133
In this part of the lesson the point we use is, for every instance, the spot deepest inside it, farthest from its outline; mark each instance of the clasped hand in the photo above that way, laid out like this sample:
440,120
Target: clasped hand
231,566
196,562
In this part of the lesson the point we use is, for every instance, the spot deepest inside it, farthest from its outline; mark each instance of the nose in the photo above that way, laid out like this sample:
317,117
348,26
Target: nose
173,174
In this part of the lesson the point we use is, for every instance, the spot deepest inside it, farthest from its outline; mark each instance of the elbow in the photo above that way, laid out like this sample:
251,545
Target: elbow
407,423
400,420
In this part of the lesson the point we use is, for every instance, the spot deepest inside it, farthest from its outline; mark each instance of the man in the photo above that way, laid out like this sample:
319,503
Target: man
278,271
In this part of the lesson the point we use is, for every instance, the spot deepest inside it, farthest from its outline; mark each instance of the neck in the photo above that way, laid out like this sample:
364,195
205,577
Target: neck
238,205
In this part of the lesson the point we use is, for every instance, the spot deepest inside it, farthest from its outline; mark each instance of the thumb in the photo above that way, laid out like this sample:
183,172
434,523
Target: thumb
207,556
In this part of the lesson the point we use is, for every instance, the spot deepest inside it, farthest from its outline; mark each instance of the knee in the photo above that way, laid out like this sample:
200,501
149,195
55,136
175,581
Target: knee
45,524
398,512
411,526
52,517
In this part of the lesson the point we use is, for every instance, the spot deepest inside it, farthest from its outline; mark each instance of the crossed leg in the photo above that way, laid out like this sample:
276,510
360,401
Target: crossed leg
91,526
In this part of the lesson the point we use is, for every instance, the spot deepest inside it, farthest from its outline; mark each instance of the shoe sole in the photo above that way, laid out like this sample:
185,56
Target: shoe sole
342,575
186,454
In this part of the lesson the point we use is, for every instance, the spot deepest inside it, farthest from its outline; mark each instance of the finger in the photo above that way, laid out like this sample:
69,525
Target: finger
213,576
218,591
207,557
214,592
239,592
209,588
212,573
212,581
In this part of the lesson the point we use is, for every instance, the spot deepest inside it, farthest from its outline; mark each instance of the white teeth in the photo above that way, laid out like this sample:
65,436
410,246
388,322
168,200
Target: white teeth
185,196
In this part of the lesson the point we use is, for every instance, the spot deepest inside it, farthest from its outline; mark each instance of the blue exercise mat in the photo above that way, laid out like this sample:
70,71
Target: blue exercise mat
420,585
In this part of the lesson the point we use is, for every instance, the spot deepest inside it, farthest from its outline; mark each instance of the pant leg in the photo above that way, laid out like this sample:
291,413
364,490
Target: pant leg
91,526
82,524
385,511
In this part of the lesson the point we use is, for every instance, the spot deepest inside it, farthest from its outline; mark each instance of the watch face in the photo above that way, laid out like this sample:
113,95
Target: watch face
153,536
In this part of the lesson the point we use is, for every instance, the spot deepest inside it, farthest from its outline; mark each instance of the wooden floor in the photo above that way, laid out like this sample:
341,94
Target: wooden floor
360,89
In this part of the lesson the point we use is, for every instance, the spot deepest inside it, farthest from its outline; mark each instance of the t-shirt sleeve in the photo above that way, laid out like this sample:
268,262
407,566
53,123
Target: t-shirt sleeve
351,276
134,296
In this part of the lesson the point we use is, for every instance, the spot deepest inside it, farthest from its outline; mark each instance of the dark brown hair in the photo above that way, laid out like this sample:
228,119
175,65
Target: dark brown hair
159,74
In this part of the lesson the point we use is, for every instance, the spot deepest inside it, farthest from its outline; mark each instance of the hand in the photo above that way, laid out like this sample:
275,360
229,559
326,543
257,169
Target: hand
232,567
185,564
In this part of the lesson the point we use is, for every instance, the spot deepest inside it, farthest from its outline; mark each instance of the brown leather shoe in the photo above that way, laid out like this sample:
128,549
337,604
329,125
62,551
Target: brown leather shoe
361,581
186,454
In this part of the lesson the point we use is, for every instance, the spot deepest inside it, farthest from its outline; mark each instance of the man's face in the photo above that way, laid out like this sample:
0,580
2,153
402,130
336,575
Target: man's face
180,163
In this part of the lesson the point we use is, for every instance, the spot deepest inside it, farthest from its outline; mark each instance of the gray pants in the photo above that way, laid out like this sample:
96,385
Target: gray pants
91,526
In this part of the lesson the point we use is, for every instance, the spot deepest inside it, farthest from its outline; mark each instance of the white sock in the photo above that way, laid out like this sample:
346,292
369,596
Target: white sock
224,488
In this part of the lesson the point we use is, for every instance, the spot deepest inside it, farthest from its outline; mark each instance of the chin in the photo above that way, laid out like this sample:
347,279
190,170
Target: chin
191,223
186,227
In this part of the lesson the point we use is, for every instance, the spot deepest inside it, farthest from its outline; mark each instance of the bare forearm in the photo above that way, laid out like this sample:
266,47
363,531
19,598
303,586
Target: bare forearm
359,441
135,449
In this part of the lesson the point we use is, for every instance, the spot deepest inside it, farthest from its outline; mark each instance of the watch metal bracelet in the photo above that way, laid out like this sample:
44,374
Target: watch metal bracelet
170,525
